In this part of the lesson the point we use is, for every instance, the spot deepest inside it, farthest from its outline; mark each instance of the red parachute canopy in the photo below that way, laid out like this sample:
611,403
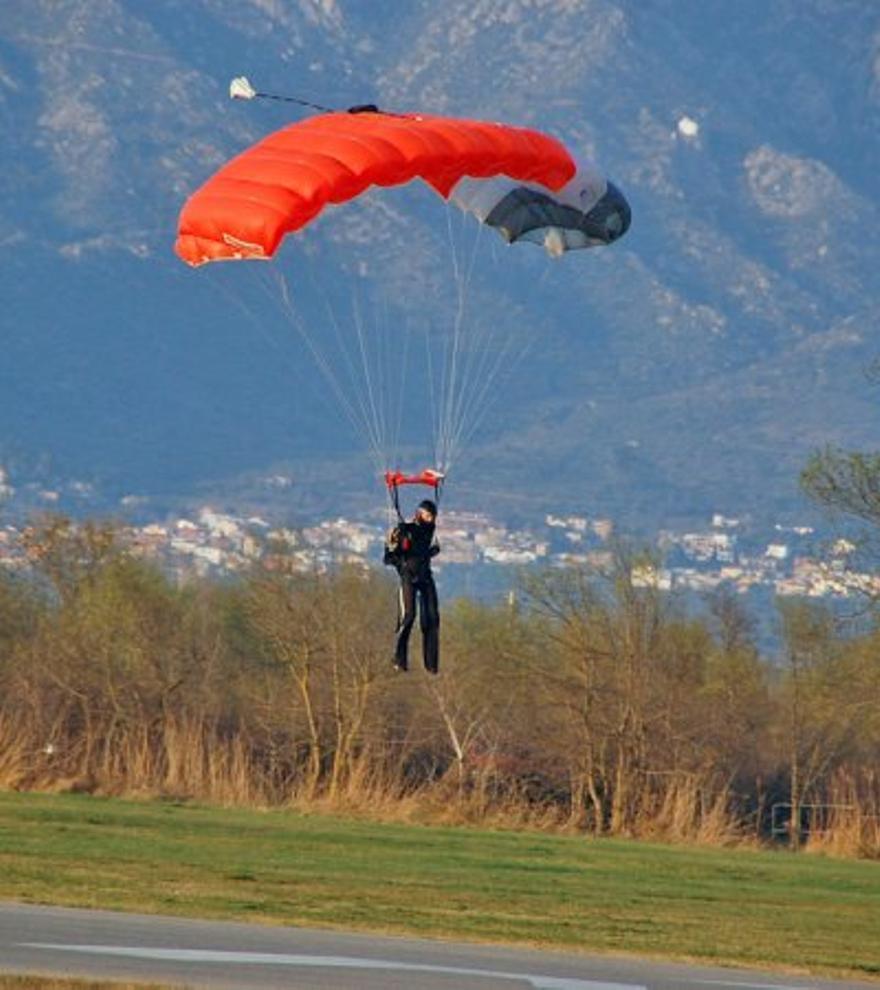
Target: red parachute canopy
284,181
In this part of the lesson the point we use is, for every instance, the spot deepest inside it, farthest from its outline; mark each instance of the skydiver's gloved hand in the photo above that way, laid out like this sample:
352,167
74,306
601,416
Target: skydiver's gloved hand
391,557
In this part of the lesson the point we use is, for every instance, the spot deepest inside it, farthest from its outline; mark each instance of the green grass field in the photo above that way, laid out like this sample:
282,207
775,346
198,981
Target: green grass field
572,893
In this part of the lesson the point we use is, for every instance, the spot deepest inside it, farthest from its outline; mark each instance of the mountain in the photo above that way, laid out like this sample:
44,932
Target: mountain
690,368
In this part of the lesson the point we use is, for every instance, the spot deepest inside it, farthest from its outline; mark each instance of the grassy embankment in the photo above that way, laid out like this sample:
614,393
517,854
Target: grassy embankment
746,907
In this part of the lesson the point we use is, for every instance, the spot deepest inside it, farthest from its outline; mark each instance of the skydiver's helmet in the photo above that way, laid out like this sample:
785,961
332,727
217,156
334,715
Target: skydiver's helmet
428,506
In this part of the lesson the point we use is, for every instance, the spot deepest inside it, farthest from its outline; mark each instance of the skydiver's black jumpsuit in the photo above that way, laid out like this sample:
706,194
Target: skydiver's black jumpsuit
411,556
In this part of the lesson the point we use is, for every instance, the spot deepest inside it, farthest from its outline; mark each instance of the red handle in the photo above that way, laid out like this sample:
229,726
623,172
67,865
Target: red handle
429,477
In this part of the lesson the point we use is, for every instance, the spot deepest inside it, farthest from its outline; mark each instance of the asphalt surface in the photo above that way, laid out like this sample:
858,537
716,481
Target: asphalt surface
179,952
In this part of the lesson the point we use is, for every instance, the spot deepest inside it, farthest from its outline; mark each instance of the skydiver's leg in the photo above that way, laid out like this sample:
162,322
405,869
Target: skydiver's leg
406,616
429,617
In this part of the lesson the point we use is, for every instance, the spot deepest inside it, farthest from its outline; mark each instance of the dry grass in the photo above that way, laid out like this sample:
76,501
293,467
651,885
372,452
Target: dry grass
191,760
850,823
36,982
187,760
179,759
16,751
689,808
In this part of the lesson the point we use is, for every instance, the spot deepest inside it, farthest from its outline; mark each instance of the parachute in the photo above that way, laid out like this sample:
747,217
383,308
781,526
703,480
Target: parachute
522,182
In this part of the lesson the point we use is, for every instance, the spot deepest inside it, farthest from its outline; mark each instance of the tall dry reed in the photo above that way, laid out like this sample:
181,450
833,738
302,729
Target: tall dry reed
848,824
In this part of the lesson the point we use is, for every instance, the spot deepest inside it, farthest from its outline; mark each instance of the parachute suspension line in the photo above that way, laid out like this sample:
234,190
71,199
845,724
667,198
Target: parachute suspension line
373,328
475,357
484,402
386,389
361,386
357,419
494,360
367,369
379,367
392,403
275,287
434,402
469,389
392,367
449,367
449,374
372,360
378,426
324,366
237,300
362,368
457,377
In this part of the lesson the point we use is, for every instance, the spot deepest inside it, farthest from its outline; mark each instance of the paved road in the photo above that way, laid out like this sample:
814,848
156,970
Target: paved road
106,945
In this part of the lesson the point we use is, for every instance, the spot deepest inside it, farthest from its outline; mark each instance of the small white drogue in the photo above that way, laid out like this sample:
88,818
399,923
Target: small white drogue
688,127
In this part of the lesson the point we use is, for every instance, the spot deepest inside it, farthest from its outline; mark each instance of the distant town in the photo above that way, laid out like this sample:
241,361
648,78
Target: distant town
784,560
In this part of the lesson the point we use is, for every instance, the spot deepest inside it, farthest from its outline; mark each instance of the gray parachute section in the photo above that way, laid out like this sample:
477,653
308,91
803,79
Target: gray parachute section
589,211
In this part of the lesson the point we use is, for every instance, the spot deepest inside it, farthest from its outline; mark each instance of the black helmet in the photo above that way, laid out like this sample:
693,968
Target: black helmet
426,503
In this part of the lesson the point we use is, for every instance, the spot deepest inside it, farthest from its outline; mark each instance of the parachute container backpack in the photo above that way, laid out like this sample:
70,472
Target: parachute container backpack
521,182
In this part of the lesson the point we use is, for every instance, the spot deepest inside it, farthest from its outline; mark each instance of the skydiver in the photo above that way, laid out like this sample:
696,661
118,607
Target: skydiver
409,548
